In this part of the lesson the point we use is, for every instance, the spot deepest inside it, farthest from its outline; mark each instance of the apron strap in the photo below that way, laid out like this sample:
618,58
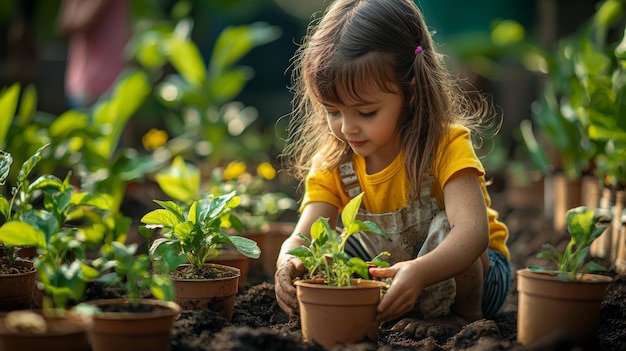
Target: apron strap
349,179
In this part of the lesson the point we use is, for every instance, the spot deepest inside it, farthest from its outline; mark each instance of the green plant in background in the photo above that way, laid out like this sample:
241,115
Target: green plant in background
200,114
582,111
136,274
324,256
583,230
196,232
259,205
63,273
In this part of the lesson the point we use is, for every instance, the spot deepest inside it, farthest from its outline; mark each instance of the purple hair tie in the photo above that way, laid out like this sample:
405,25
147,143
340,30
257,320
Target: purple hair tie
418,49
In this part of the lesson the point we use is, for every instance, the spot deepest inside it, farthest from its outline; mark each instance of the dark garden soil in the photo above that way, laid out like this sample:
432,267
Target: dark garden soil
259,324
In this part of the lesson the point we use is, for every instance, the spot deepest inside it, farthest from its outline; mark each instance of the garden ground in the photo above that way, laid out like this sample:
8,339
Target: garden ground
259,324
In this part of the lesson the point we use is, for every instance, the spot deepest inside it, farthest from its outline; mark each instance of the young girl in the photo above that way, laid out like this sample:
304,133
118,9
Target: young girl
377,111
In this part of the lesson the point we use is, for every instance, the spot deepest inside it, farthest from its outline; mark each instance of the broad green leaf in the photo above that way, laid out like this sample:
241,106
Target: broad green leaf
172,207
160,217
217,205
16,233
245,246
184,231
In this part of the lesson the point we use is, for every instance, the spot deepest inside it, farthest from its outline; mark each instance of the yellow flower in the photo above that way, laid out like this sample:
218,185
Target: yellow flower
266,170
234,170
154,139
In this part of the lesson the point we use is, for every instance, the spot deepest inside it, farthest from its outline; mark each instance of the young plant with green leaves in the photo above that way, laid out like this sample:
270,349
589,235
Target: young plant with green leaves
136,274
40,214
325,257
196,232
583,230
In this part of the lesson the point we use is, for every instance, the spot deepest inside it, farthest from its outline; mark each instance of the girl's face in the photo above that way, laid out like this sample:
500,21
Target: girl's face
369,125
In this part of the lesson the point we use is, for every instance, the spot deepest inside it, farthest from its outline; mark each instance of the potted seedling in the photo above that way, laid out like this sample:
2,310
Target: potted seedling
193,235
335,307
566,298
40,214
143,319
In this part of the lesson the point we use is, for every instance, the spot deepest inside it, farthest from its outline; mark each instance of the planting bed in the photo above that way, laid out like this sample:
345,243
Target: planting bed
259,324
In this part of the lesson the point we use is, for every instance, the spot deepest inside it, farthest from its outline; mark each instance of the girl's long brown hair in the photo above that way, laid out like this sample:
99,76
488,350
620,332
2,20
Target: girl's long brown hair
360,44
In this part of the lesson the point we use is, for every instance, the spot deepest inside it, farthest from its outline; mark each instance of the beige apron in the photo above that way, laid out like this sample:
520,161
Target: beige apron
412,231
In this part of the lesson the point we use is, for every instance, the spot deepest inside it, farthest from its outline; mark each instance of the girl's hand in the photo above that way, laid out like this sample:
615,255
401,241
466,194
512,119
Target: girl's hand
283,286
403,292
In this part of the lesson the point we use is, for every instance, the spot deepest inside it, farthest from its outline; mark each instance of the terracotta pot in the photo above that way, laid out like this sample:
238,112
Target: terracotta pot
331,315
566,195
232,258
217,295
619,239
63,333
137,331
17,289
601,247
549,303
269,239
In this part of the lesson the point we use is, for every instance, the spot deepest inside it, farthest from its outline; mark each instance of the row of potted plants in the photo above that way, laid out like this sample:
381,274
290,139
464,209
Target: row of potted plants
43,214
575,137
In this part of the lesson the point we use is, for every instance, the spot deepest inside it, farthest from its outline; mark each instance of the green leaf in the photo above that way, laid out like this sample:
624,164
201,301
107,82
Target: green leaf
236,41
358,266
245,246
8,105
172,207
180,181
5,166
84,199
300,252
67,123
580,222
319,230
186,58
28,105
160,218
29,164
5,208
350,211
21,234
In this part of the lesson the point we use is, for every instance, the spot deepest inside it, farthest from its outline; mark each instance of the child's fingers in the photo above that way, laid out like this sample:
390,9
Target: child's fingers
388,272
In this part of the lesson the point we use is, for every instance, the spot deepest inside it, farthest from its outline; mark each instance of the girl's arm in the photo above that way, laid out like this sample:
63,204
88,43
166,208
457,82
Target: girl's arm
467,241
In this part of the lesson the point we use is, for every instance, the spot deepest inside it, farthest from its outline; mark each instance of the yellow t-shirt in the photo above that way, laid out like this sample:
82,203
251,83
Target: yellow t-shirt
386,191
